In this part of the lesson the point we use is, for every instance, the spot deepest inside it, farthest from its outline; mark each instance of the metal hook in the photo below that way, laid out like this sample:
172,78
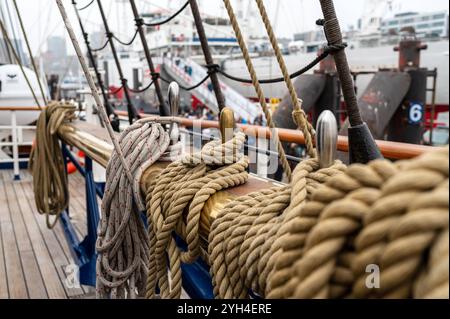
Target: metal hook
227,124
326,138
174,104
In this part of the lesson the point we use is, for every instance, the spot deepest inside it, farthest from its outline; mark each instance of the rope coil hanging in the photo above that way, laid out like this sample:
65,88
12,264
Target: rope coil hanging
122,243
187,185
51,192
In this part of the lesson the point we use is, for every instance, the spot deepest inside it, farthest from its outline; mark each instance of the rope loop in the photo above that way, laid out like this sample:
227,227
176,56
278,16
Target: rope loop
47,162
122,242
186,186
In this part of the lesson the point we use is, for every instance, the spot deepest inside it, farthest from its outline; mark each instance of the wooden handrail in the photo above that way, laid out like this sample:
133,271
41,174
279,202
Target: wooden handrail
19,108
391,150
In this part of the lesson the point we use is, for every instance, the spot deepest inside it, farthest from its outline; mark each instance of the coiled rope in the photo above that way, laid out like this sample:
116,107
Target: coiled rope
187,184
383,214
51,194
242,235
122,243
310,240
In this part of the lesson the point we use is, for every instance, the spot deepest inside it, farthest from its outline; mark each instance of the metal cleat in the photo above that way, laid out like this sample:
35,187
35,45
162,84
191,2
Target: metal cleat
326,138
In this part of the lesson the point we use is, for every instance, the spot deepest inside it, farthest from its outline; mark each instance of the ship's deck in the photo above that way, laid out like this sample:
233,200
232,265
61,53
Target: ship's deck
33,259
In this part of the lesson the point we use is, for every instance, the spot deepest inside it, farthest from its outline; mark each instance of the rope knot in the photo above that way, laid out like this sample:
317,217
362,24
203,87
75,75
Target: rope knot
139,22
155,75
212,68
333,48
109,35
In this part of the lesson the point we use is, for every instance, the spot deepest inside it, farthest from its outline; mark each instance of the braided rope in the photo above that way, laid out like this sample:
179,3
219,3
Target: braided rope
187,185
122,242
299,115
51,193
390,215
258,88
402,224
241,235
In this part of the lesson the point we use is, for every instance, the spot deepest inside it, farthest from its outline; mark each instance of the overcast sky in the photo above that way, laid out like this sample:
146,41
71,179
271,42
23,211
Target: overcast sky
41,17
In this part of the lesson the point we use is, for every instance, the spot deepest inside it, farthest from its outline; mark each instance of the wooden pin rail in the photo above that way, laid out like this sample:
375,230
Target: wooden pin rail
94,141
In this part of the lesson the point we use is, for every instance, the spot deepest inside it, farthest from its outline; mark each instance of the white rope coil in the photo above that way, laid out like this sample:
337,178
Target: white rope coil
122,243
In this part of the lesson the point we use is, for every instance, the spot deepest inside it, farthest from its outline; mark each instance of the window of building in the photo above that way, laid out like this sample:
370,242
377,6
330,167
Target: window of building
423,26
410,20
438,24
437,32
425,18
439,16
393,22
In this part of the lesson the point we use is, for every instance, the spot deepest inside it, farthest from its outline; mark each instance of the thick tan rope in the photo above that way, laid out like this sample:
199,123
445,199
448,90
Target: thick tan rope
402,225
239,256
298,114
389,215
187,184
51,193
394,216
258,88
122,242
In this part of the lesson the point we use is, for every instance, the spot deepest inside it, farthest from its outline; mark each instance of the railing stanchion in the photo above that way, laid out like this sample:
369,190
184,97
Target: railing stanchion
15,147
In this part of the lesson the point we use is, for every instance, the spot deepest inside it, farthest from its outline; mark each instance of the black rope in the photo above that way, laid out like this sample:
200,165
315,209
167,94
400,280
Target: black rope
188,88
86,6
102,47
141,90
154,24
329,49
126,43
116,90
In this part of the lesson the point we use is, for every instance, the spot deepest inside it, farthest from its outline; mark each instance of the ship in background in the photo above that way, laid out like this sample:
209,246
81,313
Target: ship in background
370,46
177,53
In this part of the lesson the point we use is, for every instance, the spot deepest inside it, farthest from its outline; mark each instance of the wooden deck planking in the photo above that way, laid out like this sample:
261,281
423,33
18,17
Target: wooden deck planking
56,242
58,257
32,257
30,268
16,280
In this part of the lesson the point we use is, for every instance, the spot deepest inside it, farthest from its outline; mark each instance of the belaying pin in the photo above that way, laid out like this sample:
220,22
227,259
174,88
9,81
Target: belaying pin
174,104
326,138
227,124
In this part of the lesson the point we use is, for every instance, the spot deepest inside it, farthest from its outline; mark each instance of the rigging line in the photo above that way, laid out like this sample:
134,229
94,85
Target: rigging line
132,113
8,41
207,53
188,88
173,16
141,90
97,99
129,42
13,31
190,19
33,63
86,6
109,109
281,79
163,109
102,47
4,45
